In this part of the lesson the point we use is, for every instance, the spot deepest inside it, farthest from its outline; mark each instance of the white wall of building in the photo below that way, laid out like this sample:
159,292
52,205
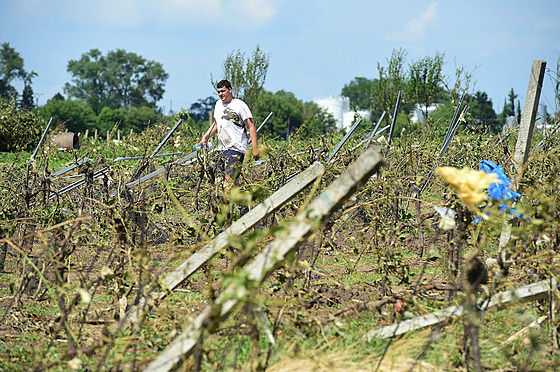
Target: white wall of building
339,107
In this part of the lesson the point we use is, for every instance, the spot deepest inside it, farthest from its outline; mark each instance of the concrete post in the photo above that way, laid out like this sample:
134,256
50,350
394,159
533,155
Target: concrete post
525,134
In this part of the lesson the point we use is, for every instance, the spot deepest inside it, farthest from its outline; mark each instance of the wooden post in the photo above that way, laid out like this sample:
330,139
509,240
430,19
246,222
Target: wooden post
119,135
272,257
95,134
108,136
86,134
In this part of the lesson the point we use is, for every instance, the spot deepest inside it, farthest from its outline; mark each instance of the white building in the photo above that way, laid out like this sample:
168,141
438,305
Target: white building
418,113
339,107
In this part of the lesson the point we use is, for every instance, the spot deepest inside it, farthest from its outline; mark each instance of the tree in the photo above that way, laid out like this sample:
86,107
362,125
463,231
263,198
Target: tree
27,97
359,91
392,79
482,112
20,130
288,112
509,104
118,80
200,110
135,118
317,120
424,81
12,68
247,76
77,116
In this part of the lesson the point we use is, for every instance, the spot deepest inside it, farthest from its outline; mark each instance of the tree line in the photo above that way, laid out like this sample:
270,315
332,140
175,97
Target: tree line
123,87
423,85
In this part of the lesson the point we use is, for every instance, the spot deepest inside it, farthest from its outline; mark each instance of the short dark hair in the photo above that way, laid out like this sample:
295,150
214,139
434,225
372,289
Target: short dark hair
224,84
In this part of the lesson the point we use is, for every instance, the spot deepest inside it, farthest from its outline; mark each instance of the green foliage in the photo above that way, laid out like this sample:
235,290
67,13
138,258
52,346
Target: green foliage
119,80
135,118
482,113
359,92
317,120
19,129
12,68
290,114
424,81
200,110
392,79
77,116
246,75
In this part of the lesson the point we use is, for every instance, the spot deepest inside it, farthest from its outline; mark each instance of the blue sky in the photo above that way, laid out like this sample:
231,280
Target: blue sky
315,46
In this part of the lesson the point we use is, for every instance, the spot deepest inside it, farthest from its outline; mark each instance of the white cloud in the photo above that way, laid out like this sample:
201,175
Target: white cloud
415,28
256,11
130,14
189,9
162,14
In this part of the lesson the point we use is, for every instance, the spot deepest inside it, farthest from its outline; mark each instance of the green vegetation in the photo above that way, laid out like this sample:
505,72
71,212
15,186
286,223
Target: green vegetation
74,262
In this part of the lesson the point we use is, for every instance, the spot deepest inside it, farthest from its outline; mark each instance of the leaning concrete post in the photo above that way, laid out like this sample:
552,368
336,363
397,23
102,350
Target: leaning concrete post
272,257
525,133
239,227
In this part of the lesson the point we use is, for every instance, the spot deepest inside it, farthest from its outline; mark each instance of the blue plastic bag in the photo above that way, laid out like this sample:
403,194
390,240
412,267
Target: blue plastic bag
499,191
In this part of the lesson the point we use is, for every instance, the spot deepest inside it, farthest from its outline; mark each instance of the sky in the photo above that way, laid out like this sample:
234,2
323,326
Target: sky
315,46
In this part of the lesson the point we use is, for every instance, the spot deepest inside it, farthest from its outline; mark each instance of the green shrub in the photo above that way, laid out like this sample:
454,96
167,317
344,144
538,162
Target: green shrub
20,130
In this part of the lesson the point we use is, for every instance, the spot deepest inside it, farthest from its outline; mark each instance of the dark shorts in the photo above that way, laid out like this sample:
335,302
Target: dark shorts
229,161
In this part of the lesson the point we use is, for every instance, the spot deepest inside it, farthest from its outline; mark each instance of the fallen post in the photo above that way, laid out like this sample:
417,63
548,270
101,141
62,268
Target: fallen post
394,122
272,257
246,222
330,159
265,120
40,141
526,293
70,167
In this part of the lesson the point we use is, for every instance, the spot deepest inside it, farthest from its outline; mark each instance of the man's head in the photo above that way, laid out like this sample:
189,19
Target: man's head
224,91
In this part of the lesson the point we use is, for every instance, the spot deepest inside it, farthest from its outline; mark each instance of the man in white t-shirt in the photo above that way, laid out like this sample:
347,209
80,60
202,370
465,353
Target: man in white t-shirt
231,117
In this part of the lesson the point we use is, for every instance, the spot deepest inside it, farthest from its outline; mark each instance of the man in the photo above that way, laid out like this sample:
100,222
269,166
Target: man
231,117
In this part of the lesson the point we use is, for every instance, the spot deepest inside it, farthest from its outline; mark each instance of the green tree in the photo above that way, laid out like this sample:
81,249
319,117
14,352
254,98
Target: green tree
20,130
317,120
200,110
392,79
118,80
135,118
12,68
27,97
509,104
288,113
139,118
424,81
246,75
482,112
76,116
359,92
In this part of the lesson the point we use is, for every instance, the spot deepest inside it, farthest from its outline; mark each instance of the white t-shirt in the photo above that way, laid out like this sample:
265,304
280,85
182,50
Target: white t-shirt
231,125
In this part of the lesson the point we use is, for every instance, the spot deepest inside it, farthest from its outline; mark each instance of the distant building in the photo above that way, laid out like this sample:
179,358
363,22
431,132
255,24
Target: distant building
418,113
339,107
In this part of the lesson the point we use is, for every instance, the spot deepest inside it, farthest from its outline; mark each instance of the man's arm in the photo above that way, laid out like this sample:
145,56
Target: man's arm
253,133
209,133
